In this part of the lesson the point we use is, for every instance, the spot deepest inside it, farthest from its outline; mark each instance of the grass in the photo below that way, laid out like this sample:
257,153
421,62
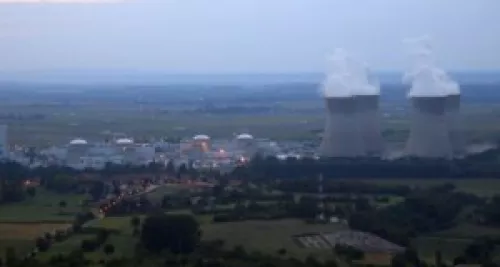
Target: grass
449,247
156,196
452,242
262,236
62,125
469,231
44,207
268,236
21,223
21,246
479,186
292,120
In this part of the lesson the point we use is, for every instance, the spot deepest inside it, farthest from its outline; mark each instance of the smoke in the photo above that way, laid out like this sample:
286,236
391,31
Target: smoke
348,77
425,77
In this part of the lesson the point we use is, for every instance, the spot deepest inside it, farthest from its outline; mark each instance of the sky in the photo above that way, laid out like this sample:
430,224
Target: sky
238,36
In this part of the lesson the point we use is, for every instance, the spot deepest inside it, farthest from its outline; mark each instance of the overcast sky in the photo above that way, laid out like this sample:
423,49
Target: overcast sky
220,36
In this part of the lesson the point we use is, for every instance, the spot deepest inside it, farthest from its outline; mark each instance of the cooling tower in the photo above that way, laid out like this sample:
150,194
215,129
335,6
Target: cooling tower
368,117
452,109
429,135
341,137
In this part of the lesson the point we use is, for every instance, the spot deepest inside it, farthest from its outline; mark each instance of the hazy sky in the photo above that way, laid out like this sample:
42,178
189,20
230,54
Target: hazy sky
207,36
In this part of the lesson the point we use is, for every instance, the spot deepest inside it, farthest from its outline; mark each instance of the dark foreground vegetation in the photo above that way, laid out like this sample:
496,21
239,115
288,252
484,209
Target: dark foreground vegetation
267,189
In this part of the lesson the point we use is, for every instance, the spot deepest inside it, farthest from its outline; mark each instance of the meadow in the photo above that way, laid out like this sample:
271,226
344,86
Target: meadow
21,223
254,236
485,187
43,207
287,120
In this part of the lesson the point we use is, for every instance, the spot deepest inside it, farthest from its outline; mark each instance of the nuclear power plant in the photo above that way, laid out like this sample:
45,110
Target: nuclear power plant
429,136
352,127
435,101
352,120
342,137
452,110
368,119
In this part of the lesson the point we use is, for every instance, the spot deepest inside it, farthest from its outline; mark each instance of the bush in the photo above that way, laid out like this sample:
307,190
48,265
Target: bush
109,249
89,245
60,235
42,244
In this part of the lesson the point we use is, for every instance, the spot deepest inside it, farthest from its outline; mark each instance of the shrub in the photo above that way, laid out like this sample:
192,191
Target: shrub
42,244
89,245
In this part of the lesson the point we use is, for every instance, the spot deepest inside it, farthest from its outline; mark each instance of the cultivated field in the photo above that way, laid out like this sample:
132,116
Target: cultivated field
21,223
43,207
285,120
478,186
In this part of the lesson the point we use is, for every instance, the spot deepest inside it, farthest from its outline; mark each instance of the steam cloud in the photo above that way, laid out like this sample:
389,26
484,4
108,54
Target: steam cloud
348,77
425,77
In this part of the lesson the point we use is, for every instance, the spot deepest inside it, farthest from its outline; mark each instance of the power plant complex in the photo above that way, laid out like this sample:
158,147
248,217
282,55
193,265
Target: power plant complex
352,121
352,126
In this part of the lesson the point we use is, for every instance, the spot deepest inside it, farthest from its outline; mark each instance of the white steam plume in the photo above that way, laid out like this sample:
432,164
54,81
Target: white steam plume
426,78
347,77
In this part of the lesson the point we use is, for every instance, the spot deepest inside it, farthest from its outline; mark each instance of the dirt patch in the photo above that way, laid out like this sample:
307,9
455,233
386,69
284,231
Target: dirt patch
30,231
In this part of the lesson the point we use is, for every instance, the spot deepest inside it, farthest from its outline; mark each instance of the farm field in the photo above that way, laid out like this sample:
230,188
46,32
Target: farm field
43,207
292,119
261,236
480,186
21,223
269,236
21,236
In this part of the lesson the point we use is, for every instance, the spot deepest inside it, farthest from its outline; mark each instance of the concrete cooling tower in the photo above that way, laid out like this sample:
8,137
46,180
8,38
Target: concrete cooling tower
368,118
341,137
452,110
429,135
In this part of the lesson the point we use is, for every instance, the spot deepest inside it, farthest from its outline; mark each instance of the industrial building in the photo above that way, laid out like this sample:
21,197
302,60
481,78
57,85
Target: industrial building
4,144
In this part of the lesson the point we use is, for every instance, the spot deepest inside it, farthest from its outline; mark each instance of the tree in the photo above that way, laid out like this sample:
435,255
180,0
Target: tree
281,251
10,256
31,191
177,233
135,221
438,257
62,205
398,260
170,169
109,249
183,169
42,244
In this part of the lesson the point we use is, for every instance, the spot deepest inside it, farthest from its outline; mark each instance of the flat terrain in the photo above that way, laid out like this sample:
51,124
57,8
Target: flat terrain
43,207
478,186
21,223
268,236
46,118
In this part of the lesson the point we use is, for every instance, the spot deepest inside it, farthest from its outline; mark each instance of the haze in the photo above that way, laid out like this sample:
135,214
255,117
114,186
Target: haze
228,36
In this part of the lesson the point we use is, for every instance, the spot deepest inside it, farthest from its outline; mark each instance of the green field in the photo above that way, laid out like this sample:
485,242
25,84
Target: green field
452,242
261,236
292,120
479,186
21,223
43,207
